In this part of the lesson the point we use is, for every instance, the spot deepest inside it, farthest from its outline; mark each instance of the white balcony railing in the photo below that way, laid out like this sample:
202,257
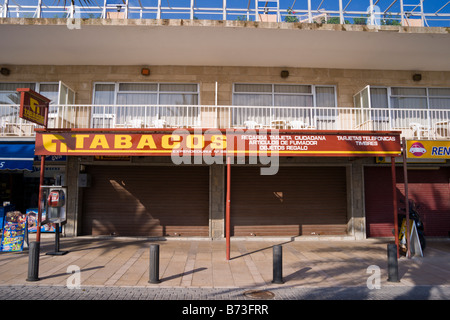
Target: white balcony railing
414,123
367,12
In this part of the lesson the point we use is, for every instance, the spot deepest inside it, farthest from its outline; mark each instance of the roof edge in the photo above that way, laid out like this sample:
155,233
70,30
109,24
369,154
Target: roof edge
222,23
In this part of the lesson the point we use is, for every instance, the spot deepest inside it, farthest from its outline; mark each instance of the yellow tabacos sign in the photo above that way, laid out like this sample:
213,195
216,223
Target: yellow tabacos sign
33,106
428,149
121,143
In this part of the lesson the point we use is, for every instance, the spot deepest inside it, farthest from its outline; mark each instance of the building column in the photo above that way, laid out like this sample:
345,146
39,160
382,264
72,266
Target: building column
70,229
356,219
216,201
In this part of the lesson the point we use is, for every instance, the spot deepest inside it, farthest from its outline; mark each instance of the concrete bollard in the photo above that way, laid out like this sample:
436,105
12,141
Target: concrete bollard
33,261
392,263
277,264
154,264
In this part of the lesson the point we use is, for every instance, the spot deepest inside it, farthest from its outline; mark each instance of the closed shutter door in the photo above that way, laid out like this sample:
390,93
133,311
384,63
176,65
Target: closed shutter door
427,188
378,201
146,201
295,201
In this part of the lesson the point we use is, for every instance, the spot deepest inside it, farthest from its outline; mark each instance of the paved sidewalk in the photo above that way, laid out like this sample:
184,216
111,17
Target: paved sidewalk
198,269
273,293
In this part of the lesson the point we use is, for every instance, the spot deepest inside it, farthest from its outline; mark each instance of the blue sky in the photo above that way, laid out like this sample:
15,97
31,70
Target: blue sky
430,6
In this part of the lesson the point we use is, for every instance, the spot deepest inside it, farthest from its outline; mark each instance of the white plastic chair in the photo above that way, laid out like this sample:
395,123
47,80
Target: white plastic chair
252,125
135,123
420,130
278,124
159,123
297,124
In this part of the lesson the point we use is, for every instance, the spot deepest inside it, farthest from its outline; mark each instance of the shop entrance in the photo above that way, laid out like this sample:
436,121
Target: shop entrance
296,201
146,201
429,189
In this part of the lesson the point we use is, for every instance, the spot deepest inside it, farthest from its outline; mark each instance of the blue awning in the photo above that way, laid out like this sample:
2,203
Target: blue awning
16,155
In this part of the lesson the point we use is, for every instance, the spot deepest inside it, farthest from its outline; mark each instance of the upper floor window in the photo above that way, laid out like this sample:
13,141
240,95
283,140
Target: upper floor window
145,104
57,92
403,98
421,109
9,95
146,94
284,95
439,98
284,106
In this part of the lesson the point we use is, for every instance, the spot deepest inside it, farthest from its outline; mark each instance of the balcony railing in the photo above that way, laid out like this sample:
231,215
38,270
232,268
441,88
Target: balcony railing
368,12
414,123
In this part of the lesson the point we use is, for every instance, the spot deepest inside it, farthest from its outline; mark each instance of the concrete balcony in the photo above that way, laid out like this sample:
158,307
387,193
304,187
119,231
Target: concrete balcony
433,124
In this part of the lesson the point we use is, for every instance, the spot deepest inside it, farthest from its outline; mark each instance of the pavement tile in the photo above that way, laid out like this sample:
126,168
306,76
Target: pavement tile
194,263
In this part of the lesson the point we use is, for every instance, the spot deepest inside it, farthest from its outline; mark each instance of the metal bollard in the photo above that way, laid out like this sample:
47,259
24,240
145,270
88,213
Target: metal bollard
277,264
57,237
33,261
392,263
154,264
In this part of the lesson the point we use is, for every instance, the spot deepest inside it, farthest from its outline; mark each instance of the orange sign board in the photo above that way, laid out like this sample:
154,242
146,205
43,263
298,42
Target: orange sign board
216,142
33,106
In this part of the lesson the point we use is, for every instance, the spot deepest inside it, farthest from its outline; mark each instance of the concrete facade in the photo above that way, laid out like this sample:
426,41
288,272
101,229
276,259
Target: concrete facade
347,82
216,55
179,42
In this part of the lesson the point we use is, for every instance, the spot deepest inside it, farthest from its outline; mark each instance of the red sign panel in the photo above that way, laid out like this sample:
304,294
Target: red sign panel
216,143
33,106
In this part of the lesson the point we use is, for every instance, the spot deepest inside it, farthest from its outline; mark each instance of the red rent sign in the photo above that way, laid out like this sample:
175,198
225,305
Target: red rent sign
33,106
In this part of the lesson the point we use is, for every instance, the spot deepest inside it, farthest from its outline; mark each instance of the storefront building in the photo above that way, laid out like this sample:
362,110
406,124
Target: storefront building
116,124
153,183
19,172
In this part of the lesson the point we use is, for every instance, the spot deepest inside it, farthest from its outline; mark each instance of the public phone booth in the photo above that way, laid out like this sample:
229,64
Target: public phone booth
54,204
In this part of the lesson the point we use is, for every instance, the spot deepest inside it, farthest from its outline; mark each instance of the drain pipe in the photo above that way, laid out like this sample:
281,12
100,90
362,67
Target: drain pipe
227,218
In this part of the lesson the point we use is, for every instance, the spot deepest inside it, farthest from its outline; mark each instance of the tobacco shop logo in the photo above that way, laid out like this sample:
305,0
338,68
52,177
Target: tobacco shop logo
417,149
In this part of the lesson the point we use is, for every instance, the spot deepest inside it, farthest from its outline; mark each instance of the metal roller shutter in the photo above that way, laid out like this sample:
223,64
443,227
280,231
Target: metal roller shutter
146,201
428,188
295,201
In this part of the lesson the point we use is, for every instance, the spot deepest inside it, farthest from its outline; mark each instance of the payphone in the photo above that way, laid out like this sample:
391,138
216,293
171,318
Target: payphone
54,198
56,205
